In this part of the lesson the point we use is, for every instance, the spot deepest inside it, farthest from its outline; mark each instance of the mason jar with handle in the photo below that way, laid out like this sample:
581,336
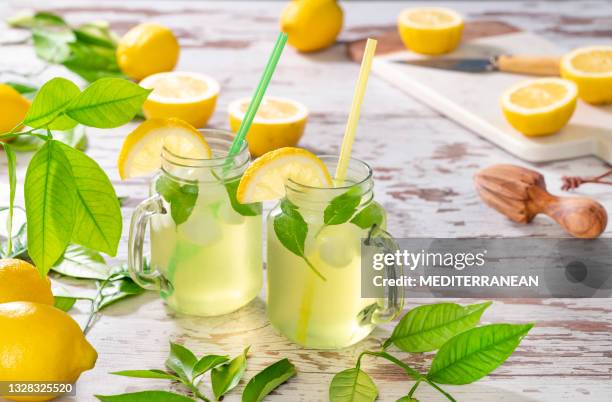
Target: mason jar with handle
206,256
314,294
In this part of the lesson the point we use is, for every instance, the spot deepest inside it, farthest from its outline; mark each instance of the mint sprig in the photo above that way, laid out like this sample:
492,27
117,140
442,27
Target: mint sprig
181,198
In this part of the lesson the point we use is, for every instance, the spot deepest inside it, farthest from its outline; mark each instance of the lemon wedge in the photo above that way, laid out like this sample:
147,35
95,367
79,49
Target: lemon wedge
140,153
279,122
430,30
590,68
188,96
541,106
265,179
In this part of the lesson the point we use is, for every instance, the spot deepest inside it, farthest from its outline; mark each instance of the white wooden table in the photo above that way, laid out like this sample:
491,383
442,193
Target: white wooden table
423,163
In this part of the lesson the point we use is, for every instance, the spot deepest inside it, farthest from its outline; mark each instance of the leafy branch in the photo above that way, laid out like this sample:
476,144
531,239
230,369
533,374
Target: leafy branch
465,352
183,366
68,197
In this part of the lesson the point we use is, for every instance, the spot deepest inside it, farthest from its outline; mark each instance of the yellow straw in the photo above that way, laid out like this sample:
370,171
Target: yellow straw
351,124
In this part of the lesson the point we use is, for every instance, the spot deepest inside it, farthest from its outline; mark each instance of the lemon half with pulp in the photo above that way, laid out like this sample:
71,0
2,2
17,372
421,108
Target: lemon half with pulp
430,30
279,123
590,68
188,96
140,153
265,179
540,106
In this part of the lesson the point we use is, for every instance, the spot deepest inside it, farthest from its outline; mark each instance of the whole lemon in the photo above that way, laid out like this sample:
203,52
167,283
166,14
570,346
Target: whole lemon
147,49
13,106
311,24
39,342
20,281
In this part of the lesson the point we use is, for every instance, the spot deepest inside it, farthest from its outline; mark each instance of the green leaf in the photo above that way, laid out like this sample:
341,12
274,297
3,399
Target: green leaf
291,230
475,353
371,215
145,396
181,198
342,207
182,361
243,209
92,62
208,362
96,35
27,19
64,303
426,328
107,103
268,380
352,385
50,101
147,374
116,290
75,137
82,262
50,199
51,42
225,377
12,166
24,89
407,399
98,214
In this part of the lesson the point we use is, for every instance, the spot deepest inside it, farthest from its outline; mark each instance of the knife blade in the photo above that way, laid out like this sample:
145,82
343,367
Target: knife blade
530,65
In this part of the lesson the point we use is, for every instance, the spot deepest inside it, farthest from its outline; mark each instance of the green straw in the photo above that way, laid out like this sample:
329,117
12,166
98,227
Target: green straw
259,94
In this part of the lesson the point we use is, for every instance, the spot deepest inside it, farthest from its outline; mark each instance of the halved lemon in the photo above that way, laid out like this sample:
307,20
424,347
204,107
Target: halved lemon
591,69
188,96
541,106
265,179
279,122
430,30
140,153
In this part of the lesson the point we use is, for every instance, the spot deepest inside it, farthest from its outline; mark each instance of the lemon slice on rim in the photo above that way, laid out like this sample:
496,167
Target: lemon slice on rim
188,96
591,69
140,153
430,30
265,179
279,122
541,106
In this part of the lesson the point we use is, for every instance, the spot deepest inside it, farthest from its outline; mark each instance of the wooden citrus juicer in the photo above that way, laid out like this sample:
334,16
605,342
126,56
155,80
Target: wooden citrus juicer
521,194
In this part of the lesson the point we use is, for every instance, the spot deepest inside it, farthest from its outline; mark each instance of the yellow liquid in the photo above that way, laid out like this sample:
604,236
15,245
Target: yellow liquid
309,311
212,261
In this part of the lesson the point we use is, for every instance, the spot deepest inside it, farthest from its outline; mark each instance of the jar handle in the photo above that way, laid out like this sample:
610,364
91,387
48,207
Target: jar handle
380,238
145,277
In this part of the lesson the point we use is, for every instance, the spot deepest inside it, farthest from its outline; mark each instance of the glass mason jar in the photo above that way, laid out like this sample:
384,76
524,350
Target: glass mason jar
206,248
315,299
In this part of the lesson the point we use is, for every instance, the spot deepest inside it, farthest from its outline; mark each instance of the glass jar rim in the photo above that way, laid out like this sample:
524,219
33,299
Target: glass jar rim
353,162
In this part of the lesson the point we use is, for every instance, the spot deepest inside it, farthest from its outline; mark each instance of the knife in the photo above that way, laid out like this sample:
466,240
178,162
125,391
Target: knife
530,65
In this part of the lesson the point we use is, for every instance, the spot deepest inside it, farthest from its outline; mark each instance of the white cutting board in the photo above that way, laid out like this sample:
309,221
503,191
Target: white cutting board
473,100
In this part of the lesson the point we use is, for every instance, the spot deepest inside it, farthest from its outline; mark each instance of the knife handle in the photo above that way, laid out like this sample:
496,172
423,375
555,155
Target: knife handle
530,65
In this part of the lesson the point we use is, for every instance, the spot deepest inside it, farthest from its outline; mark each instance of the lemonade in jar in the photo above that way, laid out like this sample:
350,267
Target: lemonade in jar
205,246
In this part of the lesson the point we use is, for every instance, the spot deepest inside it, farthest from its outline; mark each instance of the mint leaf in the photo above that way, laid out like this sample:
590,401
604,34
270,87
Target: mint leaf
107,103
98,214
267,380
50,199
182,198
51,42
92,62
116,290
82,262
428,327
342,207
371,215
352,385
225,377
12,166
208,362
50,101
147,374
243,209
27,19
145,396
291,230
473,354
64,303
181,361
